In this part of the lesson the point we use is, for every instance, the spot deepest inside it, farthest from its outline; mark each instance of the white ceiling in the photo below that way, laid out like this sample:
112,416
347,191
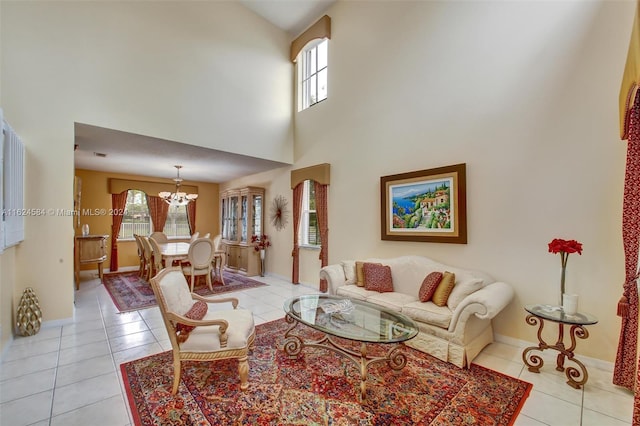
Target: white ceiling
293,16
125,152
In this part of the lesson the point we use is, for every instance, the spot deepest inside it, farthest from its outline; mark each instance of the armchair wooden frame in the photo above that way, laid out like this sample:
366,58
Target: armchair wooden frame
171,319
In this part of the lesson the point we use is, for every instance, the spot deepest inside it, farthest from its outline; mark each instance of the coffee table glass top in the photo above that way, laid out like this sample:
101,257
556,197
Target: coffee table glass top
555,313
351,319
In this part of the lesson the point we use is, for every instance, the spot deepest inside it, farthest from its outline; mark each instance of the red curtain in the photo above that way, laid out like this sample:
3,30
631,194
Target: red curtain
159,210
118,202
321,211
625,367
191,216
297,211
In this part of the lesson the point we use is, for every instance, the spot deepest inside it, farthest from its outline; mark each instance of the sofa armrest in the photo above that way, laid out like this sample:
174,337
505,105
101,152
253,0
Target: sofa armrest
485,303
334,274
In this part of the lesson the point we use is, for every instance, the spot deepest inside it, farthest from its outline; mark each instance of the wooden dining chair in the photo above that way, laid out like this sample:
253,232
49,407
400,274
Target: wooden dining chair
140,254
200,258
160,237
148,257
198,329
156,256
219,257
194,236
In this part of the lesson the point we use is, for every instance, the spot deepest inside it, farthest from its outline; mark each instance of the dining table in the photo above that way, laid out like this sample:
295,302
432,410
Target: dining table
174,251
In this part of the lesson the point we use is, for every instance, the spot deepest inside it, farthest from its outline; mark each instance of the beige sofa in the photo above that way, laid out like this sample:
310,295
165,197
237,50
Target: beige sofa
456,332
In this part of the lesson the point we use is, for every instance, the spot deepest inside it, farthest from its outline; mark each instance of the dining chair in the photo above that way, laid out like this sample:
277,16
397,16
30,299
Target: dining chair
194,236
199,330
148,257
207,235
156,256
200,257
219,257
160,237
140,254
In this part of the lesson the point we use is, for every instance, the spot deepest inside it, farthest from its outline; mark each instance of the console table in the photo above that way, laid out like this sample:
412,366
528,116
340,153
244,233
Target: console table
89,249
537,316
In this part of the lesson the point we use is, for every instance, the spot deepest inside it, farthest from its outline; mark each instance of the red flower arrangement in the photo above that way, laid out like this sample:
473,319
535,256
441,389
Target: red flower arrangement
260,242
565,248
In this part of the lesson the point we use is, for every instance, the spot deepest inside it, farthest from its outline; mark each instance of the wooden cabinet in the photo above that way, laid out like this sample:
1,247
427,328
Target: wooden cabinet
242,216
89,249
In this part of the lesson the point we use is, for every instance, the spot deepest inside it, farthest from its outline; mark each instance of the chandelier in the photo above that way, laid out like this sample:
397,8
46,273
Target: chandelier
177,198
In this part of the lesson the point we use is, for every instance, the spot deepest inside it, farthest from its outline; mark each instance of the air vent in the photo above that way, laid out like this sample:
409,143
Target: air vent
99,154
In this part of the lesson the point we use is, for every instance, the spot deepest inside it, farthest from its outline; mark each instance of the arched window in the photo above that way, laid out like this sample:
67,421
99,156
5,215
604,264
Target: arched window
137,218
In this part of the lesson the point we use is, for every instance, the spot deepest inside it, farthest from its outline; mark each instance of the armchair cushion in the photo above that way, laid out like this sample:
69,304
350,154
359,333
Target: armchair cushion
207,338
176,294
197,312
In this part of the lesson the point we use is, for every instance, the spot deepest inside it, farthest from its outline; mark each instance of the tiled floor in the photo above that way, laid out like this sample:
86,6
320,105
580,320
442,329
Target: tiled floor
69,375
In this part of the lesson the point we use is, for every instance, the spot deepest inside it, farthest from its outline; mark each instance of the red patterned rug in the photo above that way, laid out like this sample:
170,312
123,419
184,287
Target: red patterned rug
129,292
318,388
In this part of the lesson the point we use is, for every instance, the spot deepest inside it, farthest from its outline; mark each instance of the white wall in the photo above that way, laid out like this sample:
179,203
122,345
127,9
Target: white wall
212,74
524,93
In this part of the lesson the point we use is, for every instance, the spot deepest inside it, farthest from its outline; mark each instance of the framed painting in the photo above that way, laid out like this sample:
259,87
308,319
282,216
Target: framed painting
426,205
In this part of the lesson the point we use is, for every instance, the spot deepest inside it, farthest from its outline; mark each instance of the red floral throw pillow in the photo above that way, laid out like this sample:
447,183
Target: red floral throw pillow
429,286
377,277
197,312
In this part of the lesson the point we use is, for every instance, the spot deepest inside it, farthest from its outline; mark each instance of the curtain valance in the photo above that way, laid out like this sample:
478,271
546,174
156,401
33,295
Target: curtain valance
117,186
631,76
320,173
321,29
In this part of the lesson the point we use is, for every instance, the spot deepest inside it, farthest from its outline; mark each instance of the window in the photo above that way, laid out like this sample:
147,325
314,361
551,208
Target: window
309,235
136,219
312,75
177,224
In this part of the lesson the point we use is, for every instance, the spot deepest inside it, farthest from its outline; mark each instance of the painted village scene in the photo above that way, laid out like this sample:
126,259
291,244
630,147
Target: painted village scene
423,205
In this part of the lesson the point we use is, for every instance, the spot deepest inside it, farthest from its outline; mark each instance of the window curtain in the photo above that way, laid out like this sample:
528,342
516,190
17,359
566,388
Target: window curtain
321,211
118,202
297,210
191,216
625,372
159,210
625,366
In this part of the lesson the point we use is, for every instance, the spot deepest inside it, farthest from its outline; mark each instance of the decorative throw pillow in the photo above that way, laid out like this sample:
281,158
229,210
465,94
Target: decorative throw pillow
444,288
465,285
377,277
429,286
197,312
360,274
349,268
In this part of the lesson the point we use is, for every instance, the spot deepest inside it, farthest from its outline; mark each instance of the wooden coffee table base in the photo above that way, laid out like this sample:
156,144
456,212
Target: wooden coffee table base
293,345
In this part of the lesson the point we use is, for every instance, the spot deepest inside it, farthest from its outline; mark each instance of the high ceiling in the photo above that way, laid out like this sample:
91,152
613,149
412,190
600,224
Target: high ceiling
126,151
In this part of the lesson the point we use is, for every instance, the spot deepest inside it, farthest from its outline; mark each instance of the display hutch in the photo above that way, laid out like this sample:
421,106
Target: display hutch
242,216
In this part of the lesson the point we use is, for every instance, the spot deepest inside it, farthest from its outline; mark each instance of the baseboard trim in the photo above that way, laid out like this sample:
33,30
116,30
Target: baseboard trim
587,361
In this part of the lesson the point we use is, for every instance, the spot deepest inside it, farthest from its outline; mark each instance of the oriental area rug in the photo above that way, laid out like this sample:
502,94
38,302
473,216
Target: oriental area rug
319,387
130,292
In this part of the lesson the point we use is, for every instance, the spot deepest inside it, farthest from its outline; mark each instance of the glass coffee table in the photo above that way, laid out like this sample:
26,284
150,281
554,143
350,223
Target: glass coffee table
353,320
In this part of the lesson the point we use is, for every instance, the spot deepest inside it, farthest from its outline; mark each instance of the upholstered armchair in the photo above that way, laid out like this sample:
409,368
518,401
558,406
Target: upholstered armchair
198,330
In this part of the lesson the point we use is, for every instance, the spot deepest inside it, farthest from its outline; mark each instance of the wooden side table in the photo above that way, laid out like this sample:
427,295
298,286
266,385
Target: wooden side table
537,316
89,249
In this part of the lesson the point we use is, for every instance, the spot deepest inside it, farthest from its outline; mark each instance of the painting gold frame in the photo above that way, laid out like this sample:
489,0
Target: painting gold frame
425,205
